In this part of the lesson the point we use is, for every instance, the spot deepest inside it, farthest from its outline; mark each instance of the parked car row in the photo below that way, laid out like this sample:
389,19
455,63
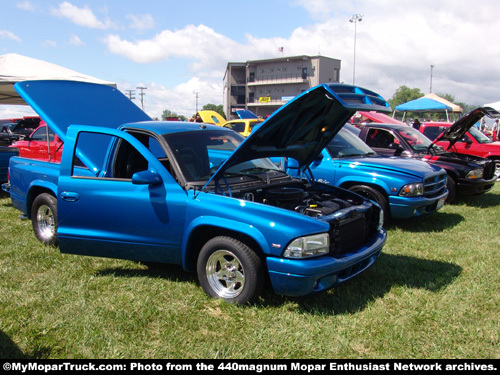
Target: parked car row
300,197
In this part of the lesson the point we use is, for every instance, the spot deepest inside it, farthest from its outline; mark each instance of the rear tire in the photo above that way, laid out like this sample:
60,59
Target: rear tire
44,218
230,270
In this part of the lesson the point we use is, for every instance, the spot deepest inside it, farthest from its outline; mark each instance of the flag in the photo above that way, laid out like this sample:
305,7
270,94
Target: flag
280,49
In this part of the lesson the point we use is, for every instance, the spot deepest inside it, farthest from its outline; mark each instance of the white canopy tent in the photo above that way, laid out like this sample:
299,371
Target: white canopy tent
495,105
15,68
454,108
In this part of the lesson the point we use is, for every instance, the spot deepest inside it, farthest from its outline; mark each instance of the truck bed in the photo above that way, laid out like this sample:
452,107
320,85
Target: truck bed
32,176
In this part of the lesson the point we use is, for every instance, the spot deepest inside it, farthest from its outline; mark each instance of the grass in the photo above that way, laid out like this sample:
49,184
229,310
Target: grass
434,293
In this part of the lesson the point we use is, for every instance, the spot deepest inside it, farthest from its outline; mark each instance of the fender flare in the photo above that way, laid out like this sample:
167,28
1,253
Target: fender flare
223,225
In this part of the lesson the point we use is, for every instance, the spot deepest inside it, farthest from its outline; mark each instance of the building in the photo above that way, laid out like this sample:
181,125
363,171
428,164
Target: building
263,86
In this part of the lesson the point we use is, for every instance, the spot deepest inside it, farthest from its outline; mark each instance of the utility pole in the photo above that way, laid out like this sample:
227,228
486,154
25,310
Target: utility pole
197,96
130,94
142,95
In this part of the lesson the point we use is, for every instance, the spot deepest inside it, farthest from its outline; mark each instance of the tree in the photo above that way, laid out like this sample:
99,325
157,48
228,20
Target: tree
216,108
404,94
169,114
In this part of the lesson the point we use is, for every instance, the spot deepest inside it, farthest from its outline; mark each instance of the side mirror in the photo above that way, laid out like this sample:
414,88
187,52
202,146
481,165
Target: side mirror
398,150
466,140
146,178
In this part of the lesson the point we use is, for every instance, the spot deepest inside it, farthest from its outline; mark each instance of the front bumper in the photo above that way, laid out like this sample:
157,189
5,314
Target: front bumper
474,187
292,277
406,207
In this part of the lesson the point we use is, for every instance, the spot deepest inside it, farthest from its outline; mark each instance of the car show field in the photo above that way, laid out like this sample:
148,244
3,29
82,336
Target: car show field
432,294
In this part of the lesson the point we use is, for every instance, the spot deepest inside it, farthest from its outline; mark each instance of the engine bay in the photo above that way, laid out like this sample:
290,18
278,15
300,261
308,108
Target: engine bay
303,199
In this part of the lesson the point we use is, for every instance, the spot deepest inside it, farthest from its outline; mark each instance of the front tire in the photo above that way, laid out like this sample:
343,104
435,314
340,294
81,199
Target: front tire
452,190
374,195
44,219
230,270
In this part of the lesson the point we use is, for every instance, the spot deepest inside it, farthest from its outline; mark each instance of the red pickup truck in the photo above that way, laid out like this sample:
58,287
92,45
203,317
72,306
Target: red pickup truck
462,138
42,144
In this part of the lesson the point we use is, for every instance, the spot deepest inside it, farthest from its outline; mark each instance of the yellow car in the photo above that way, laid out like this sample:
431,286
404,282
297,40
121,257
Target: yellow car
243,126
209,117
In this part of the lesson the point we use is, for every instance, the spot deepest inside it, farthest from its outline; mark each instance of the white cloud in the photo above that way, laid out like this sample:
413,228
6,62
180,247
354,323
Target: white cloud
141,21
9,35
49,44
26,5
81,16
181,99
75,40
206,49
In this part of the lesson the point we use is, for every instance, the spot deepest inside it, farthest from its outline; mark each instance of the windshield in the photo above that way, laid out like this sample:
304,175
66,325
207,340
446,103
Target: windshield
480,137
346,144
199,154
416,140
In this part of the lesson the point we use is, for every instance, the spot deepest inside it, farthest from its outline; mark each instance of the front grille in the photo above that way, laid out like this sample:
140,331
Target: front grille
352,233
489,170
434,185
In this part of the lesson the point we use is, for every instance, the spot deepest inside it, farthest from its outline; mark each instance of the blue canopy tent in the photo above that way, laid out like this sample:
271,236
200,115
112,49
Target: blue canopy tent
423,105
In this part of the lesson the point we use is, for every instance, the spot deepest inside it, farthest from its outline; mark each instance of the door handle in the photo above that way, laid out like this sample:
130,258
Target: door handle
69,196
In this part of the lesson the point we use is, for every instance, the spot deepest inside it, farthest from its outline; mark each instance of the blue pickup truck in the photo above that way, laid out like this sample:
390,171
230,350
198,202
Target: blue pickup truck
199,195
404,188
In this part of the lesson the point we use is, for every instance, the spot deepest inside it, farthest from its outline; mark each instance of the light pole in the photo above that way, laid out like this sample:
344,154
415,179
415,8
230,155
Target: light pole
355,18
430,88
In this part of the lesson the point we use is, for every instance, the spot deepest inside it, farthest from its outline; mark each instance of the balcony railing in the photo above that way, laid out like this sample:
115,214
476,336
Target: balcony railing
277,79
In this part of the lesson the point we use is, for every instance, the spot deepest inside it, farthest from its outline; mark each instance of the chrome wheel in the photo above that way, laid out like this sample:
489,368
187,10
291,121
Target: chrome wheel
44,218
225,274
46,222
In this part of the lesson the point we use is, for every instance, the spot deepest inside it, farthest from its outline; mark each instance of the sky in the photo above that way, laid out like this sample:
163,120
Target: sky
179,50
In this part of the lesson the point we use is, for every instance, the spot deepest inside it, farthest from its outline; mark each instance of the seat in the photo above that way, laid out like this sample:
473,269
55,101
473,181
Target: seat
135,163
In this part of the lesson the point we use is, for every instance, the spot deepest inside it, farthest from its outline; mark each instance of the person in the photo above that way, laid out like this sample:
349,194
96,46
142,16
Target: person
416,124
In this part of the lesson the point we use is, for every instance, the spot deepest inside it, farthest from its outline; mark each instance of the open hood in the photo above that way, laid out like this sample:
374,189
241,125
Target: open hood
245,114
210,117
457,131
301,128
62,103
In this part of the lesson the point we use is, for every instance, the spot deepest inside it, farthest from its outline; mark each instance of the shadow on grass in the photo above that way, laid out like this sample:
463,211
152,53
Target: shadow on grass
164,271
388,271
480,201
435,222
8,349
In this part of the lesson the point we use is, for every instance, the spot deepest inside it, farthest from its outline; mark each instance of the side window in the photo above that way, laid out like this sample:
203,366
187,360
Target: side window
40,134
90,155
96,152
432,132
156,149
379,138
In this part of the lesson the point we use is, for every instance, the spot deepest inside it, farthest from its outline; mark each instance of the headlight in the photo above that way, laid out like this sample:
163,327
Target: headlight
412,190
308,246
475,174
